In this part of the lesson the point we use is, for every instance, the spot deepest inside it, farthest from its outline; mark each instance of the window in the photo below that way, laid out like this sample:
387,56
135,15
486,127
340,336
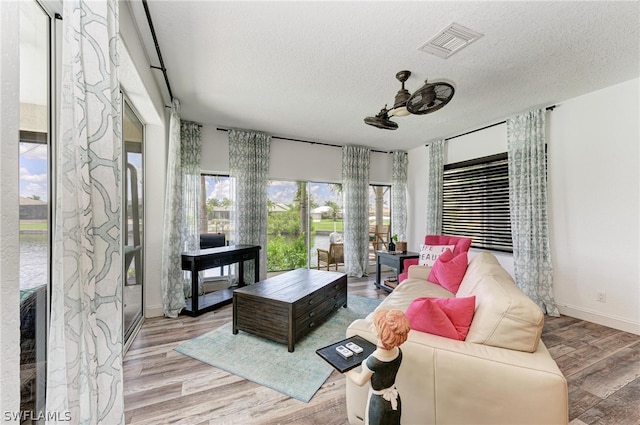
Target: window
379,218
289,229
325,209
215,197
475,202
302,216
34,208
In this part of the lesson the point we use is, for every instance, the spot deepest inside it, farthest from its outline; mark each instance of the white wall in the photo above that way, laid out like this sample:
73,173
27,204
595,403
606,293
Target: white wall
9,217
141,87
594,189
292,160
594,205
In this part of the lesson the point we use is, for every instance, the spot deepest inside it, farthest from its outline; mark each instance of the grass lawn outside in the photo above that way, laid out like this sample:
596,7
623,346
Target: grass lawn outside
33,225
327,226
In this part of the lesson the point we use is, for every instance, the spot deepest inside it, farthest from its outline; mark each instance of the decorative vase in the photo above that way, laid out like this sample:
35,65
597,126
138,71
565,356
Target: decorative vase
392,246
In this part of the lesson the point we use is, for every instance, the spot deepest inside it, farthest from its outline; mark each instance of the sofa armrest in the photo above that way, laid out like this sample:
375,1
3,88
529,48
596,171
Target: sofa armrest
449,382
419,272
407,262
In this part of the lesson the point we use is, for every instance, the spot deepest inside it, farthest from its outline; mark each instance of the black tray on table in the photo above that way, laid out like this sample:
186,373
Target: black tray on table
341,364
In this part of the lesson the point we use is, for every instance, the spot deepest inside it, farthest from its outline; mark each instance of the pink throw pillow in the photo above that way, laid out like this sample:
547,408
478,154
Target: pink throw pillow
447,317
448,270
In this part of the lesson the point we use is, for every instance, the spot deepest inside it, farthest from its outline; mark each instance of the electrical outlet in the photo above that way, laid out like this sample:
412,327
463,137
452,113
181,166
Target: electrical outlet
602,297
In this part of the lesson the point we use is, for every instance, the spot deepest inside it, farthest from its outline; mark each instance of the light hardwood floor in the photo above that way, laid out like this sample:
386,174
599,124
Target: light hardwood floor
162,386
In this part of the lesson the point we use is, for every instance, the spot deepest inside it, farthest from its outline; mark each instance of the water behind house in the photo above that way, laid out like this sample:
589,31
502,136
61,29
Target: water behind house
34,254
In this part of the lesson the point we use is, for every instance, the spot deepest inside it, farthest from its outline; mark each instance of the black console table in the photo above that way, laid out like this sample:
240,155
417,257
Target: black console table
203,259
395,260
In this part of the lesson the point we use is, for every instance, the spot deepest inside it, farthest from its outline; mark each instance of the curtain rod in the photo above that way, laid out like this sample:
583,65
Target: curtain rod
306,141
548,108
155,41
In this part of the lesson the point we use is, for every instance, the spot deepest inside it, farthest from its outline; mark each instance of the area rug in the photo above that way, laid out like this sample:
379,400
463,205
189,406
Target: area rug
299,374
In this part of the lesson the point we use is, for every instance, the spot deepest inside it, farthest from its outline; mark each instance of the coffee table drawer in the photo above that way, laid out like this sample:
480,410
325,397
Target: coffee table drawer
308,303
339,287
315,317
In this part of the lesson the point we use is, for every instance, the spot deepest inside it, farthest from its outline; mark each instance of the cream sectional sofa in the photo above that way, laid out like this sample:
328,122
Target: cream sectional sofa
501,374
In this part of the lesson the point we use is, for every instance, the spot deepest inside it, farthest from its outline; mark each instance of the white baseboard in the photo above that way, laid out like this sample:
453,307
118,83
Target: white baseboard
600,319
153,311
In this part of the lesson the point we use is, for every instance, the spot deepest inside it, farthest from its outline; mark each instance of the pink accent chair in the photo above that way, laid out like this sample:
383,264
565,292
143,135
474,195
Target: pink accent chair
461,245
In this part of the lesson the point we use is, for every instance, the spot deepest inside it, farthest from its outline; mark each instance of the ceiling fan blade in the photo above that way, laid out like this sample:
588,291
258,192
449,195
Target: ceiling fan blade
382,120
430,98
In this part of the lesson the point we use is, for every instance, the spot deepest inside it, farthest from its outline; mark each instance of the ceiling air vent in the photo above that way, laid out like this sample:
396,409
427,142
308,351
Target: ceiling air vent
450,40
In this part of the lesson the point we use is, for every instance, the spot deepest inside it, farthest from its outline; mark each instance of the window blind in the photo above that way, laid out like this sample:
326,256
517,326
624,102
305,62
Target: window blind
475,202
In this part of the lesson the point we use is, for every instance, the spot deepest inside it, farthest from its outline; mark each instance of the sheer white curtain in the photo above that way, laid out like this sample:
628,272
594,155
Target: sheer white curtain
172,281
355,187
434,191
399,194
249,171
84,369
528,208
182,210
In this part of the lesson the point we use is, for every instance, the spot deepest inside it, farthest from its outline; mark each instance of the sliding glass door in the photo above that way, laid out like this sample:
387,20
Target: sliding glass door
288,228
302,215
133,237
325,217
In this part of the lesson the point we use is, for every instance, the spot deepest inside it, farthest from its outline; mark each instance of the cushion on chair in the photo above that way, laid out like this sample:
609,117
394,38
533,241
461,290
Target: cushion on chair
461,244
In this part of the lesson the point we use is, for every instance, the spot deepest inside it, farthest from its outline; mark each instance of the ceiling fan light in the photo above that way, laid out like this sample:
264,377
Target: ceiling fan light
400,111
400,102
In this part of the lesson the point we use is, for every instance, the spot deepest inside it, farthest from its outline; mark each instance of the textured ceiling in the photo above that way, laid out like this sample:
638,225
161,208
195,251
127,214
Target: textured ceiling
315,70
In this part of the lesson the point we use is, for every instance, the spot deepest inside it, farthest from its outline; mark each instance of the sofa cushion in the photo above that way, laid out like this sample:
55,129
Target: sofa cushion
447,317
411,289
448,270
505,317
430,253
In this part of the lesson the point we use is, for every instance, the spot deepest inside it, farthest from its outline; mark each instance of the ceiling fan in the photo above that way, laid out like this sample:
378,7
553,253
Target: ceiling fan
428,98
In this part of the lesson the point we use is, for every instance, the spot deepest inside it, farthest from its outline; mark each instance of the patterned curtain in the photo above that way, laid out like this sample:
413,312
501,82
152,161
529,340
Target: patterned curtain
355,188
172,281
84,370
249,170
528,207
434,191
190,154
399,194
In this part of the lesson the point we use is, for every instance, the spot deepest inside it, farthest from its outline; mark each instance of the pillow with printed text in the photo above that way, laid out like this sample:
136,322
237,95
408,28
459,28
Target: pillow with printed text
430,253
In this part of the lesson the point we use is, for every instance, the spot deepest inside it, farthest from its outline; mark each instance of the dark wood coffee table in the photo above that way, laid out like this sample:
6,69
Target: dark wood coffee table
286,307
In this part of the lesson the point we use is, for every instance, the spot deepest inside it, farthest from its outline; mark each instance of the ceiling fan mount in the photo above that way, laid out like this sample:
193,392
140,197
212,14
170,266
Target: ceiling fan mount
428,98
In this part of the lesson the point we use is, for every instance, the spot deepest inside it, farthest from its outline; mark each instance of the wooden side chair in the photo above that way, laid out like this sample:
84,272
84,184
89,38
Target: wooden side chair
382,237
335,255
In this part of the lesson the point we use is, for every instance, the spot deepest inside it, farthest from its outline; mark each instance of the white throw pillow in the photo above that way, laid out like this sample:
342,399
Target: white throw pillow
335,237
430,253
